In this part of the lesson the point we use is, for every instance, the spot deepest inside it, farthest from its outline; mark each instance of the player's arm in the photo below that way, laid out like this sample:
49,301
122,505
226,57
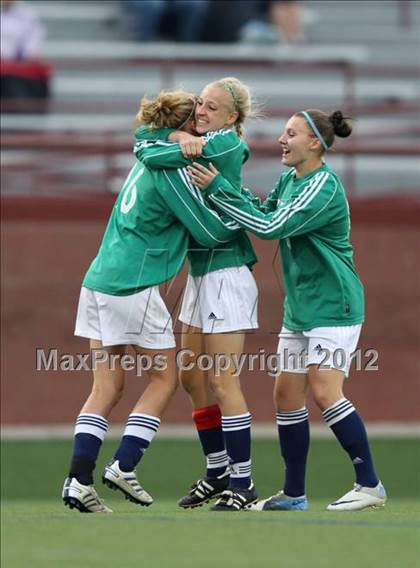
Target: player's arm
217,144
265,205
303,213
188,205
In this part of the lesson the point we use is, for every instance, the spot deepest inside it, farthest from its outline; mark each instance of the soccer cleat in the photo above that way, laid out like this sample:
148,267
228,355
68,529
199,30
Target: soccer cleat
203,490
236,499
125,481
360,498
281,502
82,497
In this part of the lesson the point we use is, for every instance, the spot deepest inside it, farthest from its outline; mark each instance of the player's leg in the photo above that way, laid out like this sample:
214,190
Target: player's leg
207,419
292,423
229,308
142,425
227,348
326,385
91,427
206,412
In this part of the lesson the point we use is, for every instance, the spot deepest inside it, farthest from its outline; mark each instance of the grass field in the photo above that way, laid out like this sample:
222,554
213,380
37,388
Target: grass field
37,531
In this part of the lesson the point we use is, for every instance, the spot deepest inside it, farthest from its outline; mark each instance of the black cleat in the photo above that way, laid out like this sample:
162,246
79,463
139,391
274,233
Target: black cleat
235,499
204,490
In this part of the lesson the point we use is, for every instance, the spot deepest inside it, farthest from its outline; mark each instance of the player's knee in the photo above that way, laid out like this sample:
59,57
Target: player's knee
323,398
188,381
218,388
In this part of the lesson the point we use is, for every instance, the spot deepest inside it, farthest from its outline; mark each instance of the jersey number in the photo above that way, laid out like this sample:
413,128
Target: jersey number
130,193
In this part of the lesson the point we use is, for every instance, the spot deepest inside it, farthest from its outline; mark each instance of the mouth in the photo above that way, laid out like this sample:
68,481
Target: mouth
201,122
285,153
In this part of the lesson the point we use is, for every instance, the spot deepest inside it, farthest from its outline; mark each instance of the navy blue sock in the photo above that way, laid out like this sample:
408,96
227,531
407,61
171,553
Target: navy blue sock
139,432
89,434
208,422
293,429
350,431
237,432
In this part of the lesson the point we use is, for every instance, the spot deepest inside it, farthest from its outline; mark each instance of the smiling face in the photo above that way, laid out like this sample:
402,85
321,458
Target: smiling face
298,143
214,109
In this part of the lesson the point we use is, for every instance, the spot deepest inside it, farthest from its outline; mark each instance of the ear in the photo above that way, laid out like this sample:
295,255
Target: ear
232,117
315,146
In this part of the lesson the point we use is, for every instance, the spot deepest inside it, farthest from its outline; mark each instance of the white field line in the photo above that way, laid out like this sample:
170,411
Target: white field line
261,430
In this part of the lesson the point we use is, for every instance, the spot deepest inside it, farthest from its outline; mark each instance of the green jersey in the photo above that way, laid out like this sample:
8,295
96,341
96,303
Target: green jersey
310,216
146,240
228,153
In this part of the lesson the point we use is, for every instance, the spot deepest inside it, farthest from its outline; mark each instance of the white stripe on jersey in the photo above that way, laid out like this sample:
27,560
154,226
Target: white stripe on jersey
282,215
196,193
190,211
264,223
192,188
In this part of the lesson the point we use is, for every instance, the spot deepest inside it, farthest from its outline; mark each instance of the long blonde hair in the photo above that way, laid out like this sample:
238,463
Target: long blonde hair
170,109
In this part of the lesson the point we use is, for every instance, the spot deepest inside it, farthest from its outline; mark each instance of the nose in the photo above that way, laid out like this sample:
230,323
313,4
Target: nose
200,111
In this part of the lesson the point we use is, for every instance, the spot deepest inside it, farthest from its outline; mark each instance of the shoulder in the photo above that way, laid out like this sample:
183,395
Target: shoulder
221,134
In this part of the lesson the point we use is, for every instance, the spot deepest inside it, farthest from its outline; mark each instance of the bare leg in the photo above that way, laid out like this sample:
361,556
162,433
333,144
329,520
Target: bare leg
162,383
108,385
227,387
194,380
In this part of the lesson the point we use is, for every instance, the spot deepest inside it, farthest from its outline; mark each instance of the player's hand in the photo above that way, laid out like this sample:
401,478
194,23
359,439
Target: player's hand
202,176
191,146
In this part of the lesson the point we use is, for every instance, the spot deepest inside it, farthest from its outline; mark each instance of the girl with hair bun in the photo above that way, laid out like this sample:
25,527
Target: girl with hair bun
324,303
220,297
145,244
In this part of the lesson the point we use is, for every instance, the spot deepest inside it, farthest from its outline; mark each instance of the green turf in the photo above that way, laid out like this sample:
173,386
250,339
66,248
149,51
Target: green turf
37,531
169,466
40,534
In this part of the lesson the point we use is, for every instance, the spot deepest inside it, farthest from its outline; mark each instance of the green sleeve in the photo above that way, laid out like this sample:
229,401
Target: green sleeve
218,144
148,133
301,214
265,206
204,224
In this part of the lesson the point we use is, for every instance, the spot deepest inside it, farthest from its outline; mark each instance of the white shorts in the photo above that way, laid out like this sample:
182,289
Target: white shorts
221,301
328,347
138,319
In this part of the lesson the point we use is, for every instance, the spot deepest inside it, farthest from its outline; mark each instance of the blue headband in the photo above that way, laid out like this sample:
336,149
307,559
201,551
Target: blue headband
315,129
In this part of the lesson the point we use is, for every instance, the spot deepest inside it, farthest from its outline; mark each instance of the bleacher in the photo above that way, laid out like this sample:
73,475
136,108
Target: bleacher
357,56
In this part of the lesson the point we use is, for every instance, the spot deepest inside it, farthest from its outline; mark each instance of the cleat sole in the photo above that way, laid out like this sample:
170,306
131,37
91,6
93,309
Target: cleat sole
129,497
73,503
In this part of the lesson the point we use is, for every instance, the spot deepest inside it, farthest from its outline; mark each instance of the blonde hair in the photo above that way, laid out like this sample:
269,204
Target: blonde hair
241,100
170,109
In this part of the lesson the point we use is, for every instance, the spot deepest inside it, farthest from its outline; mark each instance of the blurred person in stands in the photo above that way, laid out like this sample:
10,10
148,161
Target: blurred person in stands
286,15
145,244
178,20
274,21
24,76
324,305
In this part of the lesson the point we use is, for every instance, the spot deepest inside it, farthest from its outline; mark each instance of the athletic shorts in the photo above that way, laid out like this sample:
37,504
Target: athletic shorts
138,319
221,301
329,347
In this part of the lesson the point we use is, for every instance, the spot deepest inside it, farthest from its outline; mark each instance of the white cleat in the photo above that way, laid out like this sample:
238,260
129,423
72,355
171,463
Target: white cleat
82,497
360,498
126,482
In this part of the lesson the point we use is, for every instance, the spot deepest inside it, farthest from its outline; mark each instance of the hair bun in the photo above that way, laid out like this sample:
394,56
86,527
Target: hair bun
341,124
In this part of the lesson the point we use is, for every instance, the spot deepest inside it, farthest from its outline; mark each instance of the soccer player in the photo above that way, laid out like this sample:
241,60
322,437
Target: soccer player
220,299
324,304
145,244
